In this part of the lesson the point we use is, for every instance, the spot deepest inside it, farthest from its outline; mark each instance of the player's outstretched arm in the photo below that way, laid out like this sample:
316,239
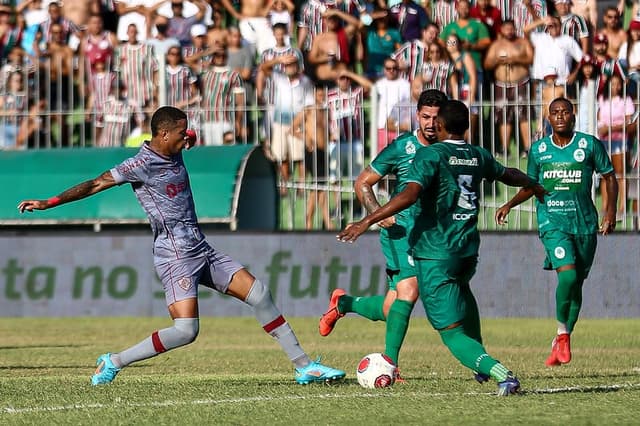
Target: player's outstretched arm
366,195
77,192
398,203
609,220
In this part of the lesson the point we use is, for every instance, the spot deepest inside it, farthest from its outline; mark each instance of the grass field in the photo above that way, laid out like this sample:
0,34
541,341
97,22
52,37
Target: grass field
234,374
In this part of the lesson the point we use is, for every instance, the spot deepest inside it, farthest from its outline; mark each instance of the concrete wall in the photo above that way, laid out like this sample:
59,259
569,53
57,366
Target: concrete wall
111,274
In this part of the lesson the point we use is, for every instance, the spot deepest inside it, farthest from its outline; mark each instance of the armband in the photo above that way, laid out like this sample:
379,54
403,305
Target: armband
53,201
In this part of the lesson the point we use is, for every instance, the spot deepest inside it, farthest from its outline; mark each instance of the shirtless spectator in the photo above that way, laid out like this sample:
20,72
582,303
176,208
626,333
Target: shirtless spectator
510,58
217,33
312,126
613,30
588,9
573,25
59,61
606,65
253,22
524,12
330,50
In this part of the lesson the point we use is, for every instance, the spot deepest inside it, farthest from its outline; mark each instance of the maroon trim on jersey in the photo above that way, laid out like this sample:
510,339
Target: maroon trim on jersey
157,344
274,324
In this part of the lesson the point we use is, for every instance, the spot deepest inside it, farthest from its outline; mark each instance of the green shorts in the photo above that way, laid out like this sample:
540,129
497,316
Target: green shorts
567,249
442,283
395,248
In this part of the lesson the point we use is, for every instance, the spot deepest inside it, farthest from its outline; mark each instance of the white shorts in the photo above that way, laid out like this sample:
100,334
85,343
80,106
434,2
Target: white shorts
285,146
258,32
214,132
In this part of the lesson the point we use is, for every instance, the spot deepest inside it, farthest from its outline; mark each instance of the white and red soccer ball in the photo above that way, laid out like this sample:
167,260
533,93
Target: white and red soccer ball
376,370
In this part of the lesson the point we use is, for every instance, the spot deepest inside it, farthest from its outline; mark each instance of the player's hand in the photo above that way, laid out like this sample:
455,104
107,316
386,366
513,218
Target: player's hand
608,224
352,232
31,205
501,214
388,222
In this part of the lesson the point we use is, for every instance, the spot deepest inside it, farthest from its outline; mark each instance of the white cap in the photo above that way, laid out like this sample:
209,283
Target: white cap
198,30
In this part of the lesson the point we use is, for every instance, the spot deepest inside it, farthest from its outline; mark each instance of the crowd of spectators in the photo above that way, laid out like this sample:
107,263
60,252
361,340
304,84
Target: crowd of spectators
243,70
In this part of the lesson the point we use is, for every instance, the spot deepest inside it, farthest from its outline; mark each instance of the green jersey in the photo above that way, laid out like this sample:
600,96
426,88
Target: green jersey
450,173
567,173
396,159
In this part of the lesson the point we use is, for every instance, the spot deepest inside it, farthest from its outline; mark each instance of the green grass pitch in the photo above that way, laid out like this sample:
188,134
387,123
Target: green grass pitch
234,374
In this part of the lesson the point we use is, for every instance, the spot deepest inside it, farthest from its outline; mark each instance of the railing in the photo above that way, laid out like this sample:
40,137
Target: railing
41,111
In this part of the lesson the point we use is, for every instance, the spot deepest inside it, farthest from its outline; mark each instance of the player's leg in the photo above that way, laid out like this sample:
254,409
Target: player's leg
445,305
561,255
181,292
398,316
585,252
254,293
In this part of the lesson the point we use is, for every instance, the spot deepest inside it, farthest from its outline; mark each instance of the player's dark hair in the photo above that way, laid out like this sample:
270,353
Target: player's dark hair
454,116
164,117
562,99
431,97
281,26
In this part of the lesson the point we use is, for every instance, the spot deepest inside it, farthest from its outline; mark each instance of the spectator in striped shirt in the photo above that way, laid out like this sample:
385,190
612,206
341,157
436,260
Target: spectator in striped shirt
346,150
443,12
70,33
181,86
588,9
524,12
412,54
194,55
438,71
138,69
101,86
119,112
573,25
223,100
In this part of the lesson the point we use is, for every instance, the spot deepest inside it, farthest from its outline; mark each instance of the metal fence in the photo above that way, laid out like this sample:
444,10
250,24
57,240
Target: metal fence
40,109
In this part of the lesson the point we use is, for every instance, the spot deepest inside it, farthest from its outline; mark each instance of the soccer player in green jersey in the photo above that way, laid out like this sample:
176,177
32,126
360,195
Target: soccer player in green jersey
395,307
564,163
445,179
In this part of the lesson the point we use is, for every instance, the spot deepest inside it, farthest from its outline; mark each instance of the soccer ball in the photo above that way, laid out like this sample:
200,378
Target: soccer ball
376,371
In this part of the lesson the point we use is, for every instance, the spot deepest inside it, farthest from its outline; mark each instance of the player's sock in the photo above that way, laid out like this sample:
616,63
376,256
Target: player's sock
576,305
468,351
397,324
471,322
567,280
272,322
183,332
368,307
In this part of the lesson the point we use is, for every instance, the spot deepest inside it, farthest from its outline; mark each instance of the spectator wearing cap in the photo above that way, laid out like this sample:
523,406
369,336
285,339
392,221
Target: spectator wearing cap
191,54
586,118
629,54
613,30
607,66
554,49
573,25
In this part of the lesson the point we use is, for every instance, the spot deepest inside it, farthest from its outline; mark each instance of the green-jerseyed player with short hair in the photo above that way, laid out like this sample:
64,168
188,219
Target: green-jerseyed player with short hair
564,163
395,307
446,178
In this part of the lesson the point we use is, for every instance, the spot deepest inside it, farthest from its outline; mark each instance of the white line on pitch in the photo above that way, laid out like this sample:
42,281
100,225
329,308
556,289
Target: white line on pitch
27,410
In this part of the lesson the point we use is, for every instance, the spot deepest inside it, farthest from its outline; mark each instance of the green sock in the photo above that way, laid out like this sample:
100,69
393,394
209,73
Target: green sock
468,351
574,307
471,322
397,325
566,282
368,307
499,372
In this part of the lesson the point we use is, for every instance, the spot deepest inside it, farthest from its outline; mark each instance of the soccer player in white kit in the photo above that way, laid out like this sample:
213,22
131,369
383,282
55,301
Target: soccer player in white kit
182,256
